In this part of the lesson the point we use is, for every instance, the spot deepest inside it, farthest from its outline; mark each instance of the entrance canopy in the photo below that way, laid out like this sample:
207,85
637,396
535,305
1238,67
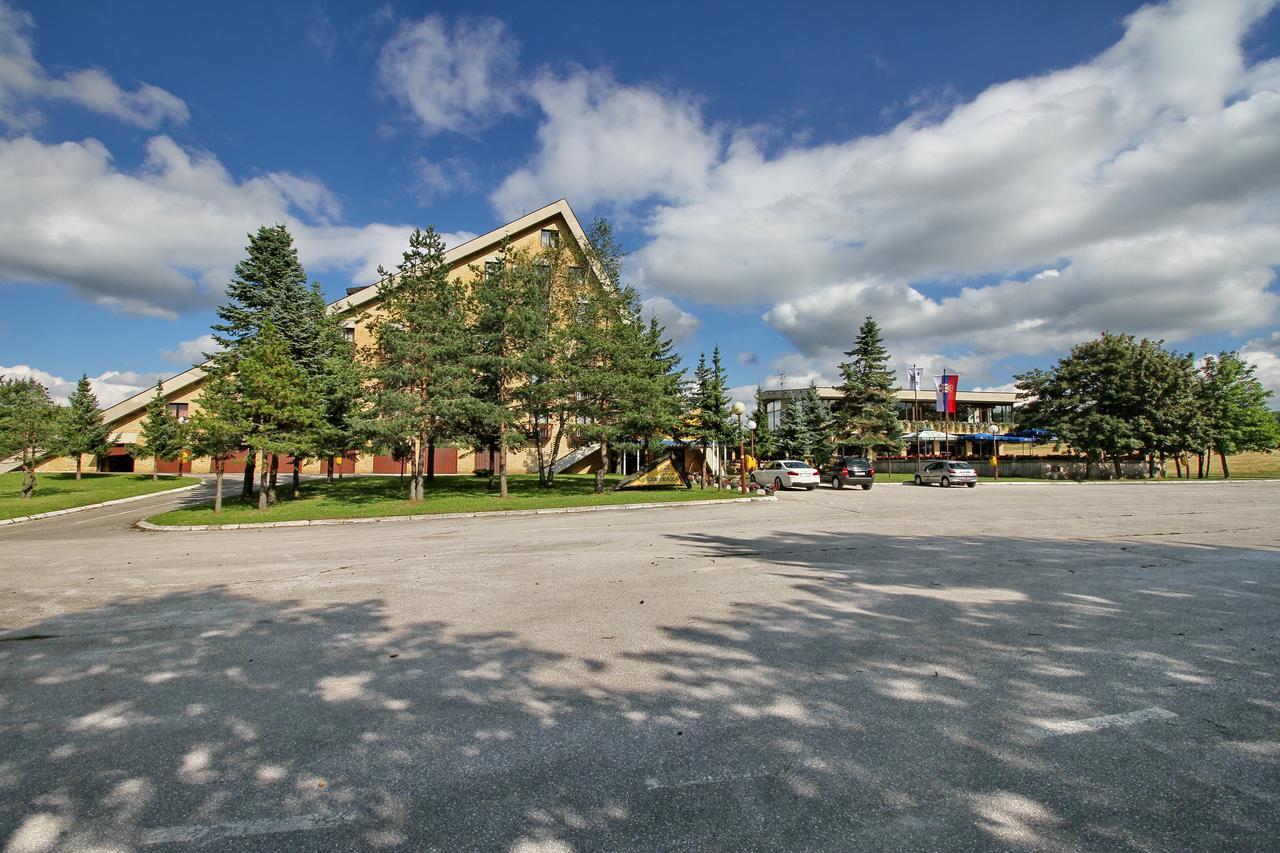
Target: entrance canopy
930,435
988,436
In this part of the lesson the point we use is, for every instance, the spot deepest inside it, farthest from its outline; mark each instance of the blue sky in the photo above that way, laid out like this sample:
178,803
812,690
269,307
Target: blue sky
992,181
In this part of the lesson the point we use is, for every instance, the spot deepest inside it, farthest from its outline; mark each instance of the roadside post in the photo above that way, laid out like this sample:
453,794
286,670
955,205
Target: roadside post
738,408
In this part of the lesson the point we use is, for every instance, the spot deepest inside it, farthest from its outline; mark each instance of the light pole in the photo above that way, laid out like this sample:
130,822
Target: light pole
738,408
751,428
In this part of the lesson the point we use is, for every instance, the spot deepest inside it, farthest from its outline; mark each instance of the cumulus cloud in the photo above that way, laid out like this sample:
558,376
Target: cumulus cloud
25,84
1264,355
601,141
459,77
163,238
109,387
187,353
680,324
1136,191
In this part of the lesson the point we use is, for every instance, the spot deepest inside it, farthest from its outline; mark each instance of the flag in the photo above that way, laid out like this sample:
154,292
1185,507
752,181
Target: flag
946,385
913,377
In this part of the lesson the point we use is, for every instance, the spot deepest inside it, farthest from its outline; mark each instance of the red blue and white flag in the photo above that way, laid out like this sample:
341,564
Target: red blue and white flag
947,385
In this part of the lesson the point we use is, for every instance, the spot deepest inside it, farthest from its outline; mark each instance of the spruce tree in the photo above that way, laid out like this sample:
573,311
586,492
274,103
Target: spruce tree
424,387
275,403
764,437
161,435
793,438
270,285
28,426
819,423
217,429
868,415
83,431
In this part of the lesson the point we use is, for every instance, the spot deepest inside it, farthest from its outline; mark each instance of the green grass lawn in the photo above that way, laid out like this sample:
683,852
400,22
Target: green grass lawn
365,497
61,491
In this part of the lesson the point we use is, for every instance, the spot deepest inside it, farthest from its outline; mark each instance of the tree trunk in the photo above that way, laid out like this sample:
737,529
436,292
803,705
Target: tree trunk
1151,466
155,467
262,483
492,467
502,464
415,483
1226,472
431,461
28,481
555,450
79,462
702,475
604,463
1177,465
297,466
217,485
1115,462
1088,467
1199,464
271,484
250,458
330,464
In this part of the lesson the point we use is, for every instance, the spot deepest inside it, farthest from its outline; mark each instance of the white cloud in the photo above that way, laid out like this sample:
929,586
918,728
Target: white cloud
187,353
164,238
109,387
25,84
748,357
604,142
1146,178
680,324
1264,354
460,78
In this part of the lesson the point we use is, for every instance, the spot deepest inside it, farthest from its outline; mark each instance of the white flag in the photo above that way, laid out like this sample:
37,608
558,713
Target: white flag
913,377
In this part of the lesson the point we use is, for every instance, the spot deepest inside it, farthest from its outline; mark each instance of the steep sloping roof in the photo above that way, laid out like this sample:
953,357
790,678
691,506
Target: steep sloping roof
357,297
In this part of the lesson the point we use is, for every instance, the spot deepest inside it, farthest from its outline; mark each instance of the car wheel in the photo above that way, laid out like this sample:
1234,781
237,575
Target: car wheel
946,482
919,480
777,484
836,483
866,486
973,485
751,478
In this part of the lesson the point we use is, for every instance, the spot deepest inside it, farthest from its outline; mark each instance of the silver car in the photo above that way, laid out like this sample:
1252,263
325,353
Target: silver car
946,472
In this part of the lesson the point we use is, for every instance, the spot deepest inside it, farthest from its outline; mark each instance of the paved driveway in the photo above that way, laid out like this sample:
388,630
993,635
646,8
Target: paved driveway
1008,667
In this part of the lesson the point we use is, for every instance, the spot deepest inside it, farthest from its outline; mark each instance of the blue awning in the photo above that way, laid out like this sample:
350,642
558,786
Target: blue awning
1004,439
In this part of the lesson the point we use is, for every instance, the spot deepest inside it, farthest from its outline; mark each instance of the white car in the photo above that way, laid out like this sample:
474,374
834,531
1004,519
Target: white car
785,473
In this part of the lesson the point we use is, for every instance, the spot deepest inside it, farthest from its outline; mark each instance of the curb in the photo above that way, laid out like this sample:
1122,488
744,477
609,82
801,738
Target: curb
143,524
56,512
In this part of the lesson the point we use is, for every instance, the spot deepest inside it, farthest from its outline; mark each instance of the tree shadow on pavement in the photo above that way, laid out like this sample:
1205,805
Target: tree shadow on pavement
895,697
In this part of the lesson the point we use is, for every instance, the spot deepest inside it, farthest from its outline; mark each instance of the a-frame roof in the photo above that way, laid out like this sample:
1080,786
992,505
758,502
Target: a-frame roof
474,248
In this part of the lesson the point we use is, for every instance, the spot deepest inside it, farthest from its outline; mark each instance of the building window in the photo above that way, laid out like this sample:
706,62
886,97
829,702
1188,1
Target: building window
492,269
349,334
550,238
576,278
178,410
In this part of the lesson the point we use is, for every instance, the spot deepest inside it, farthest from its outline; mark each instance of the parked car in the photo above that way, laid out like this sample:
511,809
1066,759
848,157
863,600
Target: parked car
849,471
785,473
947,471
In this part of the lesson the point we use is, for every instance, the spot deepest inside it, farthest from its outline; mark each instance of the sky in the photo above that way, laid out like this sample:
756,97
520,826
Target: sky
992,182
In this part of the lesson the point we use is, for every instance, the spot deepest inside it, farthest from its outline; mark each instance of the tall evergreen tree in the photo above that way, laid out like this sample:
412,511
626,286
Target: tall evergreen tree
28,426
868,415
275,404
424,387
217,429
270,285
819,424
793,438
161,434
764,443
82,429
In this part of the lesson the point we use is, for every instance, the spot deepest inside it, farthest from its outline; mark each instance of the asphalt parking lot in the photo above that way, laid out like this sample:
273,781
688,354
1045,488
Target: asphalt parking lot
1047,666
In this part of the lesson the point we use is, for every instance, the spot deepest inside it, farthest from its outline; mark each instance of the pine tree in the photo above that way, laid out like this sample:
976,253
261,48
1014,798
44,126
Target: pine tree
28,426
657,407
764,437
161,434
82,429
276,406
818,421
794,438
270,285
868,416
424,388
217,429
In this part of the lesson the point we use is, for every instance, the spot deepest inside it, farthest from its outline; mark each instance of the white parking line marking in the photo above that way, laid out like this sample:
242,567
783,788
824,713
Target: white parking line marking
657,784
1056,728
238,828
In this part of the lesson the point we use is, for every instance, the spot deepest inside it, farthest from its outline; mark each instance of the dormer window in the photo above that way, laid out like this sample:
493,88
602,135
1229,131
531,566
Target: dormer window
349,334
550,238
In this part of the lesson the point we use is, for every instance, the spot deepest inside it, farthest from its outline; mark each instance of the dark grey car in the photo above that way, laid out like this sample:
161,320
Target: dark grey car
849,471
944,473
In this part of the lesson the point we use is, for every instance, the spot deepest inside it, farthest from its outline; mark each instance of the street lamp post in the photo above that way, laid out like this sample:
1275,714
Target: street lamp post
751,428
738,408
